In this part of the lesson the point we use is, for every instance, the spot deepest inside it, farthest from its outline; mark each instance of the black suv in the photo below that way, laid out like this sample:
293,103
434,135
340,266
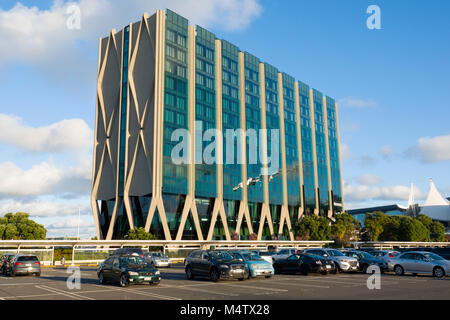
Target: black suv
215,265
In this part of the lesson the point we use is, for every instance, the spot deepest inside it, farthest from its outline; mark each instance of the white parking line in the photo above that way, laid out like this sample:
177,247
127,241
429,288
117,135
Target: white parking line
304,285
207,291
153,295
18,284
254,287
64,293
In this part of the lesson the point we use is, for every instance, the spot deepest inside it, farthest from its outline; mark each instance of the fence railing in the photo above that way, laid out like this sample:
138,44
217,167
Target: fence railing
95,251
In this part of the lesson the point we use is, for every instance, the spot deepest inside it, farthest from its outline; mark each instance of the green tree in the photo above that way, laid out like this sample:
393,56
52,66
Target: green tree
18,226
412,230
139,234
373,224
435,228
437,231
313,227
390,228
344,228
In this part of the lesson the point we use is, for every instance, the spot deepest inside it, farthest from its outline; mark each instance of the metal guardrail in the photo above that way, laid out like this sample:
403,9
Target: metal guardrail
166,245
399,244
154,243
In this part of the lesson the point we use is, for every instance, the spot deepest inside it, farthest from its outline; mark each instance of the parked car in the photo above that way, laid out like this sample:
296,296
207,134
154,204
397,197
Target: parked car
342,262
386,256
158,259
443,252
215,265
267,255
23,264
366,259
284,253
257,266
4,260
127,269
128,251
304,263
421,262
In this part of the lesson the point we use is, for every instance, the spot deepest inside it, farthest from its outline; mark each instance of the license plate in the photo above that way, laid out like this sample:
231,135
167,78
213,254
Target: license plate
238,271
328,266
28,264
147,278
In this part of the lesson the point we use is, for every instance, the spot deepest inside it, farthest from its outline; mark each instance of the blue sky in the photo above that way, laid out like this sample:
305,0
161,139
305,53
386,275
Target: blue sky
392,87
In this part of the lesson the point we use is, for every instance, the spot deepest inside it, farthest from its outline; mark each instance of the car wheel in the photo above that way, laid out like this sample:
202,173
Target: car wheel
38,274
189,273
337,268
241,279
399,270
214,275
276,270
438,272
304,270
124,280
101,278
364,269
12,273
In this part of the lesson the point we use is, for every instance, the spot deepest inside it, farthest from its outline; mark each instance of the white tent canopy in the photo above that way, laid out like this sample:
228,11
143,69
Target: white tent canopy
436,206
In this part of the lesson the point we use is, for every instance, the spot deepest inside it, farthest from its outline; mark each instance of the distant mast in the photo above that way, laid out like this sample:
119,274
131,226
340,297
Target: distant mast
411,202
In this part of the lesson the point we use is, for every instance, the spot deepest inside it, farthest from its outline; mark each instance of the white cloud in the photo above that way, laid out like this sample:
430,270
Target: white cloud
71,223
369,179
395,193
44,178
60,136
41,36
346,154
387,152
38,208
436,149
356,102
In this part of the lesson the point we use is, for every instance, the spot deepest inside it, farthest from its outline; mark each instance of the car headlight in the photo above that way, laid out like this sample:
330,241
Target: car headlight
157,272
318,262
224,266
132,273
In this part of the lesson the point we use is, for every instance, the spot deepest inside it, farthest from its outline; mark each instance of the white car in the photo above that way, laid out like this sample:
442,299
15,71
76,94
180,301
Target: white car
285,253
420,262
266,255
386,256
158,259
342,262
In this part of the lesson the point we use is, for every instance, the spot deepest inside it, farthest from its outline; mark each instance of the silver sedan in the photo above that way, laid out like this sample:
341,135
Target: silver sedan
422,262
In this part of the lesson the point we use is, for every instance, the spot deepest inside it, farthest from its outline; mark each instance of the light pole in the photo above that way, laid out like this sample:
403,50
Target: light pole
79,216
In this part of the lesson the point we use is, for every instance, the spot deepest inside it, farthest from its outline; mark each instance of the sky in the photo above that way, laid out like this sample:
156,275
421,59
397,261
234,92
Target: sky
392,86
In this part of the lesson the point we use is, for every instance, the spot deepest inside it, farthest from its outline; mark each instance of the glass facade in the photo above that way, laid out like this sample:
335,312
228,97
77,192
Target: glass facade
273,123
175,177
290,132
321,153
309,187
334,155
231,120
175,109
205,111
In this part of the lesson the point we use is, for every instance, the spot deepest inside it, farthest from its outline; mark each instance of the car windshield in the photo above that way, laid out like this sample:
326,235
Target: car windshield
27,258
159,255
132,261
221,255
366,255
334,253
433,256
252,257
265,253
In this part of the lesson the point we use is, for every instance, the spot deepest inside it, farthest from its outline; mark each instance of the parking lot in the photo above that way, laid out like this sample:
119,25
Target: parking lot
174,286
